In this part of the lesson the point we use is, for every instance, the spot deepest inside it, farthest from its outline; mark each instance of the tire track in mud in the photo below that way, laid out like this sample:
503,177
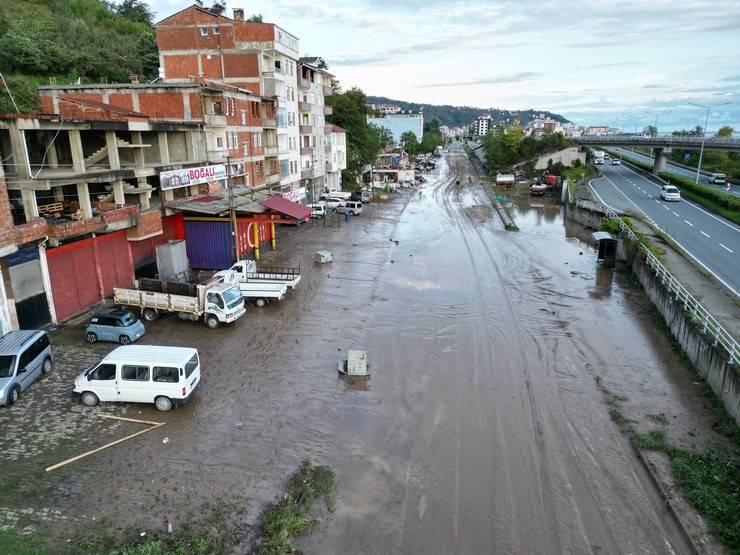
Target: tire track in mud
458,214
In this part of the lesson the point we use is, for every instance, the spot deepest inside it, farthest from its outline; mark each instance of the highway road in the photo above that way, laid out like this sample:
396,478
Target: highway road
711,241
673,168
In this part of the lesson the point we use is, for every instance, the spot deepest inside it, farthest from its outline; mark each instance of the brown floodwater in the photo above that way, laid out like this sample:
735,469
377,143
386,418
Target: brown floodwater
481,429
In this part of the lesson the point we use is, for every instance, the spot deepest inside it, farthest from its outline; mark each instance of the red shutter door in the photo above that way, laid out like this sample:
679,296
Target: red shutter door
114,262
74,283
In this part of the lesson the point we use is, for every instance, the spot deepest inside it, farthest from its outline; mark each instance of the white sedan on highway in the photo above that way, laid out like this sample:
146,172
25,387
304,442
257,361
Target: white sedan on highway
669,192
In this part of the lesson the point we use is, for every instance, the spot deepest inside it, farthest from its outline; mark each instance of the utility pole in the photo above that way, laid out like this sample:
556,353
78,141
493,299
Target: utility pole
232,207
708,107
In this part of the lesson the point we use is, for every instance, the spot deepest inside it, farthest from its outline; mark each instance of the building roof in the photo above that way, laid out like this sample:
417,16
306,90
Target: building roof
151,354
287,207
218,203
104,106
331,128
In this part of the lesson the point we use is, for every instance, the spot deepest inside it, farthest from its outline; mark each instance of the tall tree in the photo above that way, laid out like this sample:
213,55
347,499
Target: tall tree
725,131
410,143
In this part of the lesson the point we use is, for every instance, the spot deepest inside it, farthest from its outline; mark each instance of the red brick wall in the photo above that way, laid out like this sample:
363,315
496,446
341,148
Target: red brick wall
241,65
32,231
121,100
162,104
254,31
47,106
7,235
181,66
150,223
73,229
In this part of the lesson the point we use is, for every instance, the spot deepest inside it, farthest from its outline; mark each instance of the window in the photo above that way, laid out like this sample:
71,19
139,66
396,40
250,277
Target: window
219,142
257,139
167,374
215,298
135,373
191,365
217,108
204,31
245,148
104,372
7,364
244,117
284,167
216,30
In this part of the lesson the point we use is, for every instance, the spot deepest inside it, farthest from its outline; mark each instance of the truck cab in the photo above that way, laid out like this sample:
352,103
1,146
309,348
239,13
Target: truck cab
225,302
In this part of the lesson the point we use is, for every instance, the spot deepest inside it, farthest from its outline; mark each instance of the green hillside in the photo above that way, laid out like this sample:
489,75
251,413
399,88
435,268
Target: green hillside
457,116
67,40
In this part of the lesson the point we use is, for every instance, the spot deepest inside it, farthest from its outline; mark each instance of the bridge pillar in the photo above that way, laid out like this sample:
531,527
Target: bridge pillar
661,159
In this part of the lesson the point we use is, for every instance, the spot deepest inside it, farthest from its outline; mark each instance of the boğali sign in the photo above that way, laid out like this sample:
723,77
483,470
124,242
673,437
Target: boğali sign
175,179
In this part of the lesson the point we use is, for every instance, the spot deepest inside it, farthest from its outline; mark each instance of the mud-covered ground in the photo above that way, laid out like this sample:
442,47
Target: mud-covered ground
482,429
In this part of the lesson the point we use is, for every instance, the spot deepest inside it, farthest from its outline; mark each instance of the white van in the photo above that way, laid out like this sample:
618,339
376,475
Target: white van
353,207
165,376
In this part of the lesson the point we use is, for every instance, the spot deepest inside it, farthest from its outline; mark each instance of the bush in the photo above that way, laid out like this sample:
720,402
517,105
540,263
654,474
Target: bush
721,198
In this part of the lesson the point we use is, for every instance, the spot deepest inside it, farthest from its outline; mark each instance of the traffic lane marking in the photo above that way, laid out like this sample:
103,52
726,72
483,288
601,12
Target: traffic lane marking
705,235
726,248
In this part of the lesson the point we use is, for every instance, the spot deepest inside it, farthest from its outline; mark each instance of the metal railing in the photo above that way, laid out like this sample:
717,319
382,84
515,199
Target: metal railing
707,323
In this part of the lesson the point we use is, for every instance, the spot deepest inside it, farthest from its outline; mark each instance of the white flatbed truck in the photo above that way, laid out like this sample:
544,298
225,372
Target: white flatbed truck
216,301
260,293
247,271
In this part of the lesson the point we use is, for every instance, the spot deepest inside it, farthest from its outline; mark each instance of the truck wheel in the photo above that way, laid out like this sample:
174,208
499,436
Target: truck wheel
14,394
163,404
89,399
211,321
150,314
260,302
124,340
91,338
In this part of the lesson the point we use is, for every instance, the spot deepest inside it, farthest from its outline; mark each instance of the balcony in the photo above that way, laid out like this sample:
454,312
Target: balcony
328,91
304,83
273,83
305,129
273,178
270,150
216,120
269,123
304,106
306,173
306,150
328,110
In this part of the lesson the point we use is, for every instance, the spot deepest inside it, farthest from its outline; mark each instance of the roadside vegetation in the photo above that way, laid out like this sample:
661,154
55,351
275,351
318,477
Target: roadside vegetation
713,160
89,40
508,147
431,139
709,478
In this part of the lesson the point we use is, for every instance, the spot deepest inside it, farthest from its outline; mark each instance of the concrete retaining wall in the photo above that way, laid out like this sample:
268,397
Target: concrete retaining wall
711,362
587,218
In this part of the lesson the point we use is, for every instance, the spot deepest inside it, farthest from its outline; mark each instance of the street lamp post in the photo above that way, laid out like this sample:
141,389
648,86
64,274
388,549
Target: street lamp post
707,107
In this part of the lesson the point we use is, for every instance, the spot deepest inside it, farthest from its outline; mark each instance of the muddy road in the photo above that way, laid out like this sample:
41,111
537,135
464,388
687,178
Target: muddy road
481,429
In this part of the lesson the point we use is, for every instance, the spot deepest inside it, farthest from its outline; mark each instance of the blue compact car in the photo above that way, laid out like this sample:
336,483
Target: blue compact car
114,324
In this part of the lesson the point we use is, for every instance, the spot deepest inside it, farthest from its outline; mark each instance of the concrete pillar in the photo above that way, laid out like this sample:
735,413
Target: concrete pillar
83,195
144,200
20,152
661,159
138,152
78,155
58,194
164,148
51,156
118,196
8,316
111,143
189,147
193,190
30,207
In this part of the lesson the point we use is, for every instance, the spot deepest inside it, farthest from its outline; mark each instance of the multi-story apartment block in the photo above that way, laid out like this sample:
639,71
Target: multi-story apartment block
336,156
314,85
482,125
198,43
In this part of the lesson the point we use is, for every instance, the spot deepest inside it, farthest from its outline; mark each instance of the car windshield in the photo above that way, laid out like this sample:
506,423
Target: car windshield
129,319
232,297
671,190
6,365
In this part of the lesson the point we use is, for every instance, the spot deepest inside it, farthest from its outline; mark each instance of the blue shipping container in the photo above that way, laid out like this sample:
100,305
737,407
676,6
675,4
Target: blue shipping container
209,245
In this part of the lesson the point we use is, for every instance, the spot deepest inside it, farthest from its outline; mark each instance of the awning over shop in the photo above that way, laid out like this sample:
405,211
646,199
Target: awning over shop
218,203
287,207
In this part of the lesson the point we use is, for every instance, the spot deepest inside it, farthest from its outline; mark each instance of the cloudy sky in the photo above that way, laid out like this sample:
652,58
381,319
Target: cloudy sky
595,62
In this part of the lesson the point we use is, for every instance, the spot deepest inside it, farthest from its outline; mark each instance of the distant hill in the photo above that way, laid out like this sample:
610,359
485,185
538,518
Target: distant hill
458,116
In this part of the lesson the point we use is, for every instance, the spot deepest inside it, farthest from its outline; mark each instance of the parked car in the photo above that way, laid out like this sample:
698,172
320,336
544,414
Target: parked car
365,196
165,376
333,204
669,192
318,209
351,207
616,162
114,324
25,355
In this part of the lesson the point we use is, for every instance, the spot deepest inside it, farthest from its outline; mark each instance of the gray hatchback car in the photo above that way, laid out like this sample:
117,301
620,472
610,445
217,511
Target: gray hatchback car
25,355
114,324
